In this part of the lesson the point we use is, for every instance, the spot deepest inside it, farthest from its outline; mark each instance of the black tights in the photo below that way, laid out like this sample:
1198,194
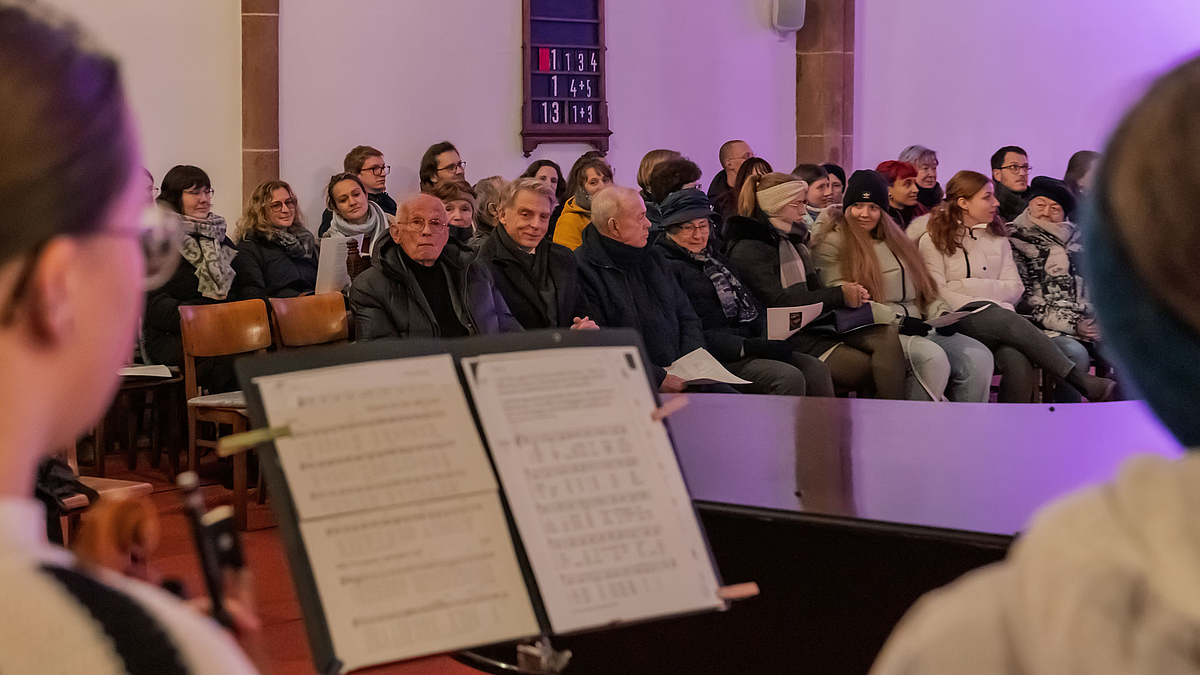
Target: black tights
870,359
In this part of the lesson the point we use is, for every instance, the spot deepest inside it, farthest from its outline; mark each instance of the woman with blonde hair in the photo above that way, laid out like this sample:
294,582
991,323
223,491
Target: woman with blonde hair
277,256
967,251
769,253
862,243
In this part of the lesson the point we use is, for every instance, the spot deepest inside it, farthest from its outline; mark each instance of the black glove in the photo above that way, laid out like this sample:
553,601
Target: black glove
911,326
762,348
947,331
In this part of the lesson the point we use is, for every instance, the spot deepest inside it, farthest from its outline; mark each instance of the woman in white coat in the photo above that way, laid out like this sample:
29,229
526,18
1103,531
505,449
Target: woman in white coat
967,253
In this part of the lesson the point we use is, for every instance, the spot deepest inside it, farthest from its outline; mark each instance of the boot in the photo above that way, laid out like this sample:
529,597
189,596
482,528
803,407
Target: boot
1094,388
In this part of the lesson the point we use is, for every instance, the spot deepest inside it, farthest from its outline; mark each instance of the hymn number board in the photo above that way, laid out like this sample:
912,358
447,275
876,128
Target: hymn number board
564,74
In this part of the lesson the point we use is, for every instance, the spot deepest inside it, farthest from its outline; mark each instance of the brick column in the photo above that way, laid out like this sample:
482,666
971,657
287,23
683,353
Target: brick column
260,93
825,83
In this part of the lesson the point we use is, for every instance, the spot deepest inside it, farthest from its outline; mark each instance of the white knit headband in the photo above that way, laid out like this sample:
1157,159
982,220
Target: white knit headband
774,198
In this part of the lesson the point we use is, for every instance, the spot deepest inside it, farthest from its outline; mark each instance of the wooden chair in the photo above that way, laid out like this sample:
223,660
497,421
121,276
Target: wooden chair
310,320
224,329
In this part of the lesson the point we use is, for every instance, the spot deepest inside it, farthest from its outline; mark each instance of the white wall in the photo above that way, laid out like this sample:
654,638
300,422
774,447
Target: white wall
966,77
182,65
403,75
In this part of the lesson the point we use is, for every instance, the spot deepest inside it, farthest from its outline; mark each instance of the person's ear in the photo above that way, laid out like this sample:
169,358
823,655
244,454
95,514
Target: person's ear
394,229
962,203
996,175
53,289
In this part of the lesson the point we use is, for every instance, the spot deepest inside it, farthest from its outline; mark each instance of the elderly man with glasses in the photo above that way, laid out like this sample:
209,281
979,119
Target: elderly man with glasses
420,288
1010,176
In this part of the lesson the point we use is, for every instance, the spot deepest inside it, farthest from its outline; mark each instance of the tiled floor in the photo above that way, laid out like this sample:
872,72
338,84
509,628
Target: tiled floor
283,627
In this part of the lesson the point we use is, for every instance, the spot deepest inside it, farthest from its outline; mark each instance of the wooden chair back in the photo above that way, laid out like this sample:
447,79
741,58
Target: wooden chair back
223,329
310,320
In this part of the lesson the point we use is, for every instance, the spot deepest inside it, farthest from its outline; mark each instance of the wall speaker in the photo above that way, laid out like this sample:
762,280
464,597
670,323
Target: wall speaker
787,16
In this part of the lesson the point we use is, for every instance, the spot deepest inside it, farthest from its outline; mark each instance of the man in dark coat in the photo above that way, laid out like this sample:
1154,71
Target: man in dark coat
1010,178
366,163
731,155
630,285
419,287
538,278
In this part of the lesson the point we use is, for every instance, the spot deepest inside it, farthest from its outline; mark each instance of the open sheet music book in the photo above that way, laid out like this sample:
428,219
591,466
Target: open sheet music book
442,495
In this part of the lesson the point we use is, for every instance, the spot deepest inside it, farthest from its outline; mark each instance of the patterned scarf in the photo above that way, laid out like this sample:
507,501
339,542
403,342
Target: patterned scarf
203,249
735,301
375,226
296,240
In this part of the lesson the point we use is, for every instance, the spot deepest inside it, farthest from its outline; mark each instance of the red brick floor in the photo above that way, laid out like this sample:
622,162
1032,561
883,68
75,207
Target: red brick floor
277,607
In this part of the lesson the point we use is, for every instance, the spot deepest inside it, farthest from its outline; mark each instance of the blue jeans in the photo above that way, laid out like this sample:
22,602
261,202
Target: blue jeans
971,367
1074,350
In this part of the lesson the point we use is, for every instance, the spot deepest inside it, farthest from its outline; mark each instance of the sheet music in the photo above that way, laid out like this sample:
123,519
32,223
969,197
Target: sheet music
399,509
593,485
332,275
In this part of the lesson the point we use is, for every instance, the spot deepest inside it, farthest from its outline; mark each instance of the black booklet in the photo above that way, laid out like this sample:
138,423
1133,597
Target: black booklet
445,494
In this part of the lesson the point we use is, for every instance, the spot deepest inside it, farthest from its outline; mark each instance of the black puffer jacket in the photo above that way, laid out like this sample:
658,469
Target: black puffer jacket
266,270
753,247
517,285
388,303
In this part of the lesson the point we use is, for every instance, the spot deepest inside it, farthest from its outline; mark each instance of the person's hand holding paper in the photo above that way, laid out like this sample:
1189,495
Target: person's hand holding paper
699,367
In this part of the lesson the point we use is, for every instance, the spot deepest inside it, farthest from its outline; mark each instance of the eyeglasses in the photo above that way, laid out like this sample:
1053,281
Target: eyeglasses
200,191
154,191
418,225
159,233
460,166
381,170
694,229
1017,168
277,207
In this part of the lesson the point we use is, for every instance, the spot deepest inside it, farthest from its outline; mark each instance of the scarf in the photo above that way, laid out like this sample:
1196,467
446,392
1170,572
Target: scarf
794,258
296,240
203,249
583,200
735,301
1062,231
375,226
536,267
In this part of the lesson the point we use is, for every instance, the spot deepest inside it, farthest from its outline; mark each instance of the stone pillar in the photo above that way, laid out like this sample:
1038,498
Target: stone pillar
825,84
260,93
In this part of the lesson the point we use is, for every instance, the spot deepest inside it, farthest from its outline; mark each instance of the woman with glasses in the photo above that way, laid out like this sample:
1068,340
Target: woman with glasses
72,277
205,275
735,324
277,256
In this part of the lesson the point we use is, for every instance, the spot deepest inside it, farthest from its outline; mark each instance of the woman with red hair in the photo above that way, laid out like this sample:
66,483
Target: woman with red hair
903,206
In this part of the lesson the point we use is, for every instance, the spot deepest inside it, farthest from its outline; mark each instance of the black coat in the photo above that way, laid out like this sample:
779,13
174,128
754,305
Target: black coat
1012,204
522,295
387,302
647,298
725,338
753,248
383,199
160,325
266,270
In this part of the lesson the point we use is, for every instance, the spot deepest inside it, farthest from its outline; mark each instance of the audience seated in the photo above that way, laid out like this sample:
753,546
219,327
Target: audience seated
820,190
204,276
487,192
630,285
768,246
459,199
588,177
419,287
902,192
861,243
837,181
734,323
354,213
1010,175
1080,174
967,251
929,192
538,278
649,161
572,184
731,155
1048,248
550,173
277,255
669,177
441,162
366,164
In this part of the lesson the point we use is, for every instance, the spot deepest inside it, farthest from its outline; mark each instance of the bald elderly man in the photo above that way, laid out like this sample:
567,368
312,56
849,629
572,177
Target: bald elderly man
417,287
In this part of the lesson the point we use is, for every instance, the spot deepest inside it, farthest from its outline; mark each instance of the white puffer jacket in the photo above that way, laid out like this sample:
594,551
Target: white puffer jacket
981,269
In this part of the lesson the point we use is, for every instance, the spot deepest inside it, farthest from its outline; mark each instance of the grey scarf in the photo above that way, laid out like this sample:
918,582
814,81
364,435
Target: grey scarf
296,240
203,249
375,226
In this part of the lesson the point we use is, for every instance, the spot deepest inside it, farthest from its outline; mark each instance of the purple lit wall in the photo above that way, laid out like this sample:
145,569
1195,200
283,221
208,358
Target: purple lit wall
966,77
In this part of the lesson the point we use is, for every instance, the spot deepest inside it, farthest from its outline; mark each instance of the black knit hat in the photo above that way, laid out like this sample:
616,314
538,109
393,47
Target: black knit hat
682,206
1054,190
866,186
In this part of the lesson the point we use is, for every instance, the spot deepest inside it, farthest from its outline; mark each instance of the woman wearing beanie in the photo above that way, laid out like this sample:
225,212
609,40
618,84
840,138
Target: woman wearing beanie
1104,580
966,250
862,243
768,248
735,324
